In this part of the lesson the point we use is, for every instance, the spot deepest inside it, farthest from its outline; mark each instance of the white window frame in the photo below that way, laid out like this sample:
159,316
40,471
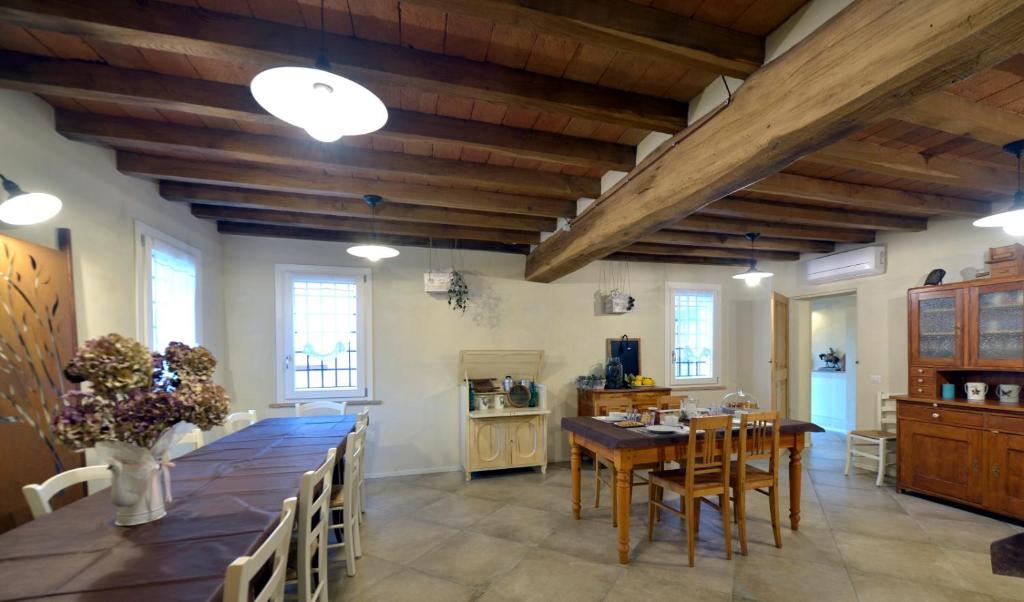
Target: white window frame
364,308
716,357
144,236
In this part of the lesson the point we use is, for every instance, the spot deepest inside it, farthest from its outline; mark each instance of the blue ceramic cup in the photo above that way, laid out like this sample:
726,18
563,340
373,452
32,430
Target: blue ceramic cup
948,391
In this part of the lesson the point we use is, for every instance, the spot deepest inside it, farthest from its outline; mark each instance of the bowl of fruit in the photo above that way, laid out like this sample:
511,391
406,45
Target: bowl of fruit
640,380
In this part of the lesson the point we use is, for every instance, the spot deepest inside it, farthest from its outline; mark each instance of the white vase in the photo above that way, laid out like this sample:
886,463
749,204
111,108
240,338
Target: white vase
141,482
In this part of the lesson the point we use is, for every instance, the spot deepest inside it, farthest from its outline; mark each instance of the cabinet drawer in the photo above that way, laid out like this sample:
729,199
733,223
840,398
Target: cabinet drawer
941,415
922,371
926,389
1008,424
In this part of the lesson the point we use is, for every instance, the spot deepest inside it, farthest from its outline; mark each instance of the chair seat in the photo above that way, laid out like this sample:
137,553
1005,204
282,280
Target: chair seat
755,476
873,434
337,498
675,480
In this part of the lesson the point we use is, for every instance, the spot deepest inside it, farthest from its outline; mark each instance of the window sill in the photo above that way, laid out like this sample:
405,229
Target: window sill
352,402
698,387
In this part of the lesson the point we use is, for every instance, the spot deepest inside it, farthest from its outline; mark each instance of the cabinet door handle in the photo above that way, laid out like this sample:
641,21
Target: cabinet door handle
995,471
935,414
976,465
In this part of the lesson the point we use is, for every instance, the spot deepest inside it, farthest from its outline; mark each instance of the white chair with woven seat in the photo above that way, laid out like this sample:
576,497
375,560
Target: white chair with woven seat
345,500
363,419
39,496
758,440
601,463
193,438
240,583
878,444
321,408
313,518
239,420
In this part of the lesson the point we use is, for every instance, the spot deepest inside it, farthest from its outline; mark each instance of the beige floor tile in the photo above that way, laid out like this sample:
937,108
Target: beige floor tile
972,571
877,523
882,588
401,499
471,558
402,539
878,499
414,586
810,543
965,535
781,579
457,511
545,576
593,540
445,481
649,583
370,570
711,570
856,480
519,523
921,562
922,507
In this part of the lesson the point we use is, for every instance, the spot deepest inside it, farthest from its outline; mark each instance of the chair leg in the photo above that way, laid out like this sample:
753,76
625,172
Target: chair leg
740,512
881,462
691,536
773,506
615,500
350,546
696,515
357,534
597,483
338,516
846,471
651,510
727,526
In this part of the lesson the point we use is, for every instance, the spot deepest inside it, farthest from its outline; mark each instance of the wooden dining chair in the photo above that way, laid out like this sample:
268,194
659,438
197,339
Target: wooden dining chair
600,463
269,562
345,501
758,440
706,473
321,408
239,420
39,496
313,518
877,445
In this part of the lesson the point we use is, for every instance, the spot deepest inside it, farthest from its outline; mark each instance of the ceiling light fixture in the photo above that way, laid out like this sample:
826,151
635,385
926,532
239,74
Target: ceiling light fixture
1011,219
326,105
373,251
26,208
753,276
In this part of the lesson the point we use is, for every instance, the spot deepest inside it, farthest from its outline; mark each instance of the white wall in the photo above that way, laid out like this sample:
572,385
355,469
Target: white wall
833,394
417,338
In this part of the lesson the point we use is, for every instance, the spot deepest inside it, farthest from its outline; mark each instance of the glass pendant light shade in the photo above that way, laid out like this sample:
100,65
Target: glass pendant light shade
372,250
753,276
26,208
1011,219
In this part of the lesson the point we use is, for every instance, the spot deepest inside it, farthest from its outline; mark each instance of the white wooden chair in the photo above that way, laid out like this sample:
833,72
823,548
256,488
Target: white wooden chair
320,408
346,500
193,439
239,420
238,579
39,496
876,445
313,518
363,419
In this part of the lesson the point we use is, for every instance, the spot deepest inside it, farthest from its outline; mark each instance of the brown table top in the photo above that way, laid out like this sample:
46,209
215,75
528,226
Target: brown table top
615,437
227,498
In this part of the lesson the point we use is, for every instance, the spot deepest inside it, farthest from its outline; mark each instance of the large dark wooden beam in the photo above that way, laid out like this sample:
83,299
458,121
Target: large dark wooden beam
90,81
726,241
315,182
363,226
868,198
668,250
680,259
750,209
315,204
954,114
268,231
264,44
867,61
153,137
623,27
724,225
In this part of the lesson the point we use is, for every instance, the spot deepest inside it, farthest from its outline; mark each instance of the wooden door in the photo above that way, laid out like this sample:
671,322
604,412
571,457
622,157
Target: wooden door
1005,489
526,439
487,447
942,459
780,353
995,326
936,334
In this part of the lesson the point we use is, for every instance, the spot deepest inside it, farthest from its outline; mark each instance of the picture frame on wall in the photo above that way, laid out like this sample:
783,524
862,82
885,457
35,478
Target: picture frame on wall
630,356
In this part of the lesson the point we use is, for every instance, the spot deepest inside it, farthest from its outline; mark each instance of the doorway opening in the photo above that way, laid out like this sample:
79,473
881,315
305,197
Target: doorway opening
833,347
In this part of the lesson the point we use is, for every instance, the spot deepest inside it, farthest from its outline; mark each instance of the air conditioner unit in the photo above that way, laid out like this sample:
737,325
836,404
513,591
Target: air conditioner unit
868,261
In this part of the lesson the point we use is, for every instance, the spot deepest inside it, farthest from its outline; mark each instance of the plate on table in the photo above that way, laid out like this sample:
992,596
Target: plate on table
663,429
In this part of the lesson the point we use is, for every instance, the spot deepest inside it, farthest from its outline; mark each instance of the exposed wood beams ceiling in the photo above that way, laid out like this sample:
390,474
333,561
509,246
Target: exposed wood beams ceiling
504,112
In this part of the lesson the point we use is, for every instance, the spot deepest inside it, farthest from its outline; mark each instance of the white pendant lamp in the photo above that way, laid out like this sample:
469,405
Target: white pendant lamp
1011,220
753,276
373,251
326,105
26,208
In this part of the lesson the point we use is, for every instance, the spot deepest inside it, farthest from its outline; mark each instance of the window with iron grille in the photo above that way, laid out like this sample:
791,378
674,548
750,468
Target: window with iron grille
693,341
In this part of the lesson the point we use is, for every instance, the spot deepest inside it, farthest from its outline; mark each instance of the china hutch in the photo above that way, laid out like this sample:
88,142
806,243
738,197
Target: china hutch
968,452
599,402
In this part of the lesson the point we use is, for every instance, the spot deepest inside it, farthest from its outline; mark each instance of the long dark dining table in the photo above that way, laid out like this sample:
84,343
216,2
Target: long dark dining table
627,448
227,498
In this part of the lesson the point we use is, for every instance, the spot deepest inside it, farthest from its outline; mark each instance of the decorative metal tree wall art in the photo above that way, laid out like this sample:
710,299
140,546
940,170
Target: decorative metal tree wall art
37,337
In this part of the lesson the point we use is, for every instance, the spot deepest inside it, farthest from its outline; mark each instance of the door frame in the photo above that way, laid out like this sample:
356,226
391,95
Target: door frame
778,301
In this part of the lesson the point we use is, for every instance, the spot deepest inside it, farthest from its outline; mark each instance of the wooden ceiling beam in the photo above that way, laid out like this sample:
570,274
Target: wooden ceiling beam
954,114
315,182
313,204
363,226
91,81
875,158
869,198
264,44
726,241
680,259
755,209
724,225
656,249
623,27
153,137
268,231
791,107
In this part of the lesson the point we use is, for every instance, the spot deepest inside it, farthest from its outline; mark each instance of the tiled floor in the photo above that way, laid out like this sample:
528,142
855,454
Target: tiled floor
511,537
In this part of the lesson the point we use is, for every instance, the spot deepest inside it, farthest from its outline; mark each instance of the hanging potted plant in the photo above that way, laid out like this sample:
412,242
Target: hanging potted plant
458,292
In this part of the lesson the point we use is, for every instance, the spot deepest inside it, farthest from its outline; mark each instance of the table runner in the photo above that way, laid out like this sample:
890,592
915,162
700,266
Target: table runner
227,498
614,437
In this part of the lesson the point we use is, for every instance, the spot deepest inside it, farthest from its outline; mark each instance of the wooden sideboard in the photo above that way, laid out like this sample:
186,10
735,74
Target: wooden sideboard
968,452
598,402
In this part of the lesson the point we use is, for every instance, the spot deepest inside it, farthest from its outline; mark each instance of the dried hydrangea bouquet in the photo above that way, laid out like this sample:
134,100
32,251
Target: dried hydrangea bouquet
139,405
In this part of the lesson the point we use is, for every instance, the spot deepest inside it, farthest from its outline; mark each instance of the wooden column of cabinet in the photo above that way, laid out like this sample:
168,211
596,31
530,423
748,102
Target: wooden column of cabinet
968,452
598,402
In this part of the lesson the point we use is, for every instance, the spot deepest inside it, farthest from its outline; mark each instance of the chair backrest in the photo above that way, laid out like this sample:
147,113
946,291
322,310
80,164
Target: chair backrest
240,579
602,404
886,412
363,417
355,453
239,420
39,496
758,439
674,402
712,457
313,518
320,408
194,438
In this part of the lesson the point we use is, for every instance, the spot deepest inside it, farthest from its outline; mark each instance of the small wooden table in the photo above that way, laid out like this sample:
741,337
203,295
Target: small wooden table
627,448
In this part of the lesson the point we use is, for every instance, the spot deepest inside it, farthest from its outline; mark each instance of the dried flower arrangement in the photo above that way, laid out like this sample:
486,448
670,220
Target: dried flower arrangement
458,292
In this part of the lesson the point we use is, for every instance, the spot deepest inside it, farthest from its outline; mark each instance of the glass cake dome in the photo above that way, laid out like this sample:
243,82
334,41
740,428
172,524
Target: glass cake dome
739,400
